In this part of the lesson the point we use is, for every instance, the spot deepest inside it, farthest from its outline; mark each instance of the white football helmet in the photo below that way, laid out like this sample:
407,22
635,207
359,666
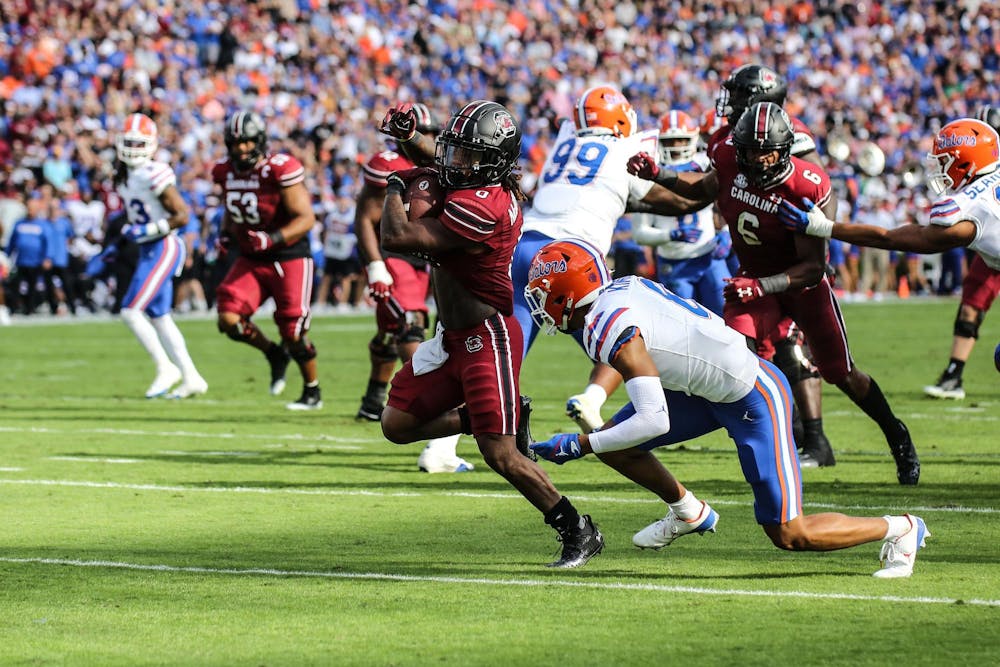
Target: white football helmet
137,142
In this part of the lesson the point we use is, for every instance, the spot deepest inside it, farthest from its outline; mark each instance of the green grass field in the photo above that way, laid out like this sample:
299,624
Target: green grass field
225,530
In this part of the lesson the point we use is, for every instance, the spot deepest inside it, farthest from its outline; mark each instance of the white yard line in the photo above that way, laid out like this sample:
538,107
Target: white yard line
91,459
476,581
955,509
297,437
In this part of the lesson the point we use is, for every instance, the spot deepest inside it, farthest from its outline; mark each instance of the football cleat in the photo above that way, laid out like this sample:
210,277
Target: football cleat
899,554
310,400
523,438
278,358
907,461
587,416
579,544
433,460
192,387
947,387
663,532
371,409
817,453
165,379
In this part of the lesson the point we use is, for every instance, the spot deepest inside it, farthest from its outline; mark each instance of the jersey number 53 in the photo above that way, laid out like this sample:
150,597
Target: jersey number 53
242,207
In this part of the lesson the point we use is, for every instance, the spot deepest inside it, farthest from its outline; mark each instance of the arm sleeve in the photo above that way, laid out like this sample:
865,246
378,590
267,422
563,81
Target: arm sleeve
649,421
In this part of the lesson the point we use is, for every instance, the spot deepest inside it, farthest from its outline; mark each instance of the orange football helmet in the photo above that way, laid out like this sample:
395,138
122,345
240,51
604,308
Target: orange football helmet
564,276
137,142
604,110
678,137
964,150
710,123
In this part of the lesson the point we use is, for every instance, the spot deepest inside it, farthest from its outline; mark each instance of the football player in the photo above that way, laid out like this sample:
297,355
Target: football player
690,255
268,215
688,374
582,191
399,284
961,167
979,289
781,276
465,379
155,209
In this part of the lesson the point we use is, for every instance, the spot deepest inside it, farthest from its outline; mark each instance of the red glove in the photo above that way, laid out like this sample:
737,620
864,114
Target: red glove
262,241
742,290
400,122
644,166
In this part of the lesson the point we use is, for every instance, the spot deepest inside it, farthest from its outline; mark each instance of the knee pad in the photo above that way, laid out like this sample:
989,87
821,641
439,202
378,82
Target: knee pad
415,329
792,361
301,350
383,348
966,329
240,332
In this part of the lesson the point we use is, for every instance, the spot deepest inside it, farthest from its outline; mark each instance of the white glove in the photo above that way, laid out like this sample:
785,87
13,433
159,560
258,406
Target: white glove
379,280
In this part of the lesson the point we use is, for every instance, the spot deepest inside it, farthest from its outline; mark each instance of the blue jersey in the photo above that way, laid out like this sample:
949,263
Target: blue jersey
60,233
29,242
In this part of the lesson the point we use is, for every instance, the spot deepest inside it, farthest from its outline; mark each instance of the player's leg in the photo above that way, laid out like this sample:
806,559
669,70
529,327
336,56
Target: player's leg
791,358
685,512
529,244
979,289
152,276
291,288
237,298
817,313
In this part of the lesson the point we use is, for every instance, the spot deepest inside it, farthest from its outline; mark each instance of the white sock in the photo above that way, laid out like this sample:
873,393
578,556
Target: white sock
898,526
688,507
144,331
444,447
176,348
595,394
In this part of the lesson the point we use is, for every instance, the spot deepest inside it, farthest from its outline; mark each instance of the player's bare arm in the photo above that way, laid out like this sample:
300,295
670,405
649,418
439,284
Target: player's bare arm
296,200
175,206
366,220
664,201
909,237
420,149
399,234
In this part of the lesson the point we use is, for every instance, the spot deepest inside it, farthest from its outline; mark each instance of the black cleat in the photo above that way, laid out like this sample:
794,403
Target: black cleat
278,358
523,437
371,409
310,400
907,461
817,453
579,544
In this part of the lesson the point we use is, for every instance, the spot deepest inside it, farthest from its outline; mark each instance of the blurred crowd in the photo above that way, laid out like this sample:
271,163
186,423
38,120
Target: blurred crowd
322,73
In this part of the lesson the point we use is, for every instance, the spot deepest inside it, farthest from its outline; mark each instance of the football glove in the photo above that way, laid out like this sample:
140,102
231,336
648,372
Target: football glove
686,234
262,241
723,245
809,219
644,166
559,448
742,290
400,122
142,232
379,280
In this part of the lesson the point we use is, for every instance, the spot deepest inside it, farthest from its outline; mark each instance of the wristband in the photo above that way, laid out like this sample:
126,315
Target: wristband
779,282
666,177
276,237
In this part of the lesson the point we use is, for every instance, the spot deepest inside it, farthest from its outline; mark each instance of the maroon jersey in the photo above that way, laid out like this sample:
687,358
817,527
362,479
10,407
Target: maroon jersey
380,165
253,203
489,215
762,243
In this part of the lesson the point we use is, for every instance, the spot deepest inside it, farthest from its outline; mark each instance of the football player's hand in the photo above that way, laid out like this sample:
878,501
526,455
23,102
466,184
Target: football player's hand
262,241
723,245
400,122
379,280
644,166
400,180
222,244
809,219
686,234
742,290
142,232
559,448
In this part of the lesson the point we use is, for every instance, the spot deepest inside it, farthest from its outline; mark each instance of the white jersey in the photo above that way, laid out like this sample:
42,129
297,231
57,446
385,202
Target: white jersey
584,186
693,349
141,191
703,220
978,202
88,220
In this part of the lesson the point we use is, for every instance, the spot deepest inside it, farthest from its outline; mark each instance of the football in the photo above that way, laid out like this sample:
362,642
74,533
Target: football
424,197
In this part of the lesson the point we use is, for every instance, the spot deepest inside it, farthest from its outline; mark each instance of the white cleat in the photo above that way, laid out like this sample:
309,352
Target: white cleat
165,379
663,532
899,554
946,388
194,387
436,463
587,416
